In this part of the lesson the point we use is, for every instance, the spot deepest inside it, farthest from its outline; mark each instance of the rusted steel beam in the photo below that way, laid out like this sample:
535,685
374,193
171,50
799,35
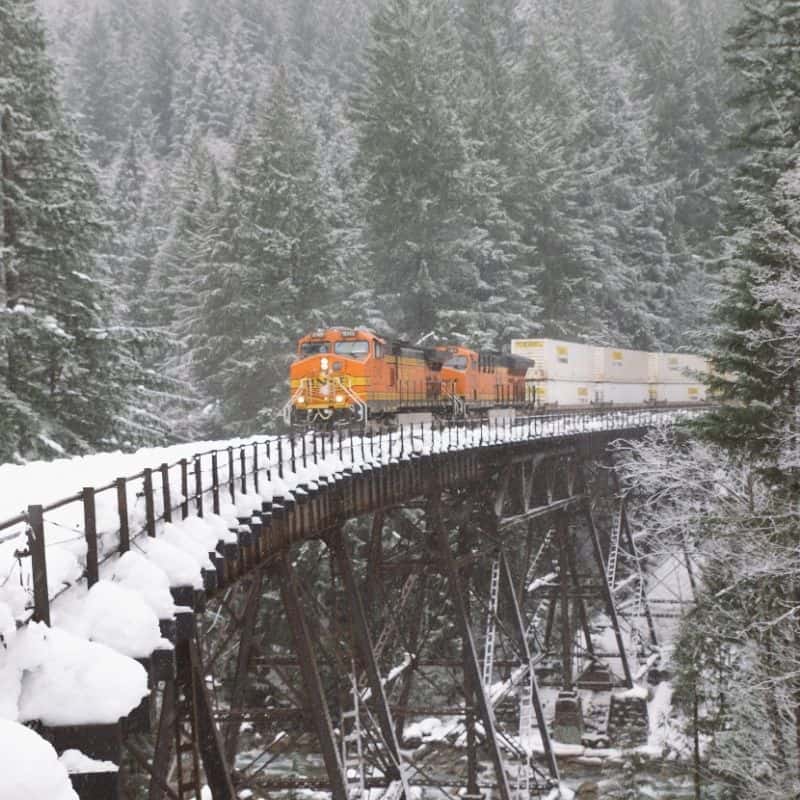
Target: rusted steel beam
141,759
240,681
608,595
162,755
375,562
432,564
218,775
502,490
631,542
413,643
518,627
311,677
364,640
471,661
577,595
563,586
540,511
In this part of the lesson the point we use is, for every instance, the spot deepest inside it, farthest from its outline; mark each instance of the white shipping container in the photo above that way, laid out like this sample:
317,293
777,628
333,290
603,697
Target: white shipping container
555,360
678,392
621,394
617,365
676,367
563,393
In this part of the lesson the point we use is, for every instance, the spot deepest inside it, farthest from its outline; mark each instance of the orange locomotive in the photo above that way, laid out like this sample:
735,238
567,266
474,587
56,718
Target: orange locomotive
344,374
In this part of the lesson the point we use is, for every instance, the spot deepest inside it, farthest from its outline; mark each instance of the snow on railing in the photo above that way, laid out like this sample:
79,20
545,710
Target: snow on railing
54,545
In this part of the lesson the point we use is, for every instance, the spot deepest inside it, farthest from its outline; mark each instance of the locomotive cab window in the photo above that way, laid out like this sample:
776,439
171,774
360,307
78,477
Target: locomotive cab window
378,350
457,362
315,348
357,349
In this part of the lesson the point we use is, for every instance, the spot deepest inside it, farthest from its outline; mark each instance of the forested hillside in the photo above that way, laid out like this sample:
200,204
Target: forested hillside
239,172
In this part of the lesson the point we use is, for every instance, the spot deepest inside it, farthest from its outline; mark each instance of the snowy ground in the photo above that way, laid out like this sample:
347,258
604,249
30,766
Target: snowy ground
81,670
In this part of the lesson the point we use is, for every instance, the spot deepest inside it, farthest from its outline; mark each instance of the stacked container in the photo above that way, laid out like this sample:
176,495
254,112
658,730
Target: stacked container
570,374
620,376
561,373
674,378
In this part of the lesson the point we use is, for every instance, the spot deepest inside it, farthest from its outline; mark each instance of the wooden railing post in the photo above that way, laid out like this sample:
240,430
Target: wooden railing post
214,483
90,532
41,598
165,493
149,505
255,467
122,510
185,488
231,476
198,485
243,469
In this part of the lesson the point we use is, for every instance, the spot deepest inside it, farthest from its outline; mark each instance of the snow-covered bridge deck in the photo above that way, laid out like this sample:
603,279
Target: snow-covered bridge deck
114,565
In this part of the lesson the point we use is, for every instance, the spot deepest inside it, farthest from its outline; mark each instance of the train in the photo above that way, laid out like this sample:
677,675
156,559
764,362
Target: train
345,375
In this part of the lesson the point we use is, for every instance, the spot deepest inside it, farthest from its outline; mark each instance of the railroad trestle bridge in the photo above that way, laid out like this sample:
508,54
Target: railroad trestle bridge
369,580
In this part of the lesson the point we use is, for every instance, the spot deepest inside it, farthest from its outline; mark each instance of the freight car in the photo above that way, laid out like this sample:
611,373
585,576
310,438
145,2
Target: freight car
352,374
570,374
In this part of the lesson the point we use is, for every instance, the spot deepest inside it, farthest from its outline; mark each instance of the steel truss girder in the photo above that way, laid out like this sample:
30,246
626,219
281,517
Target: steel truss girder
311,677
471,660
249,620
339,546
519,628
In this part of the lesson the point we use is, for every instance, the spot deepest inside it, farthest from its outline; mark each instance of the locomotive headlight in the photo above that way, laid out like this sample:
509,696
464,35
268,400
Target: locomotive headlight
340,398
301,400
324,364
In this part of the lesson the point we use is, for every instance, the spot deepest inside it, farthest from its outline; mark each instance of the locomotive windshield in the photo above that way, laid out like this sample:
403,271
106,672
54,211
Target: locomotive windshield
315,348
353,349
457,362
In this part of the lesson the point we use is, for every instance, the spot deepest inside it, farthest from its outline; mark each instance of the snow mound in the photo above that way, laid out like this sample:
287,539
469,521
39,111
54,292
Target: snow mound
77,762
65,680
133,571
30,767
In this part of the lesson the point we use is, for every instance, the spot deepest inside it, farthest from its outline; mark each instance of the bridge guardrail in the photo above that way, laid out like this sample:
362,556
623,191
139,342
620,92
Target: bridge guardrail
105,521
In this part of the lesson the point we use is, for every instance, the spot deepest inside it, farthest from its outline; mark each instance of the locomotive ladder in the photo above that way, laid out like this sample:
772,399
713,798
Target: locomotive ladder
352,744
491,624
613,551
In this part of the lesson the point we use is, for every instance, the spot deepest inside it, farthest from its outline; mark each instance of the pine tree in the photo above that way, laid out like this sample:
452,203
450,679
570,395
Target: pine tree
63,379
762,394
267,280
505,304
94,87
413,155
160,49
174,285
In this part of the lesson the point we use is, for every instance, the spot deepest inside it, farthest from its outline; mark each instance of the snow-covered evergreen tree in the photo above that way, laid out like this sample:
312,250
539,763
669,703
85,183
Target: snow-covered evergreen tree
63,376
268,278
762,248
413,155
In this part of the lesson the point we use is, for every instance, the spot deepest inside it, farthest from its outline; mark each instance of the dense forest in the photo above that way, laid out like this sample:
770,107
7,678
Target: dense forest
187,187
190,186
